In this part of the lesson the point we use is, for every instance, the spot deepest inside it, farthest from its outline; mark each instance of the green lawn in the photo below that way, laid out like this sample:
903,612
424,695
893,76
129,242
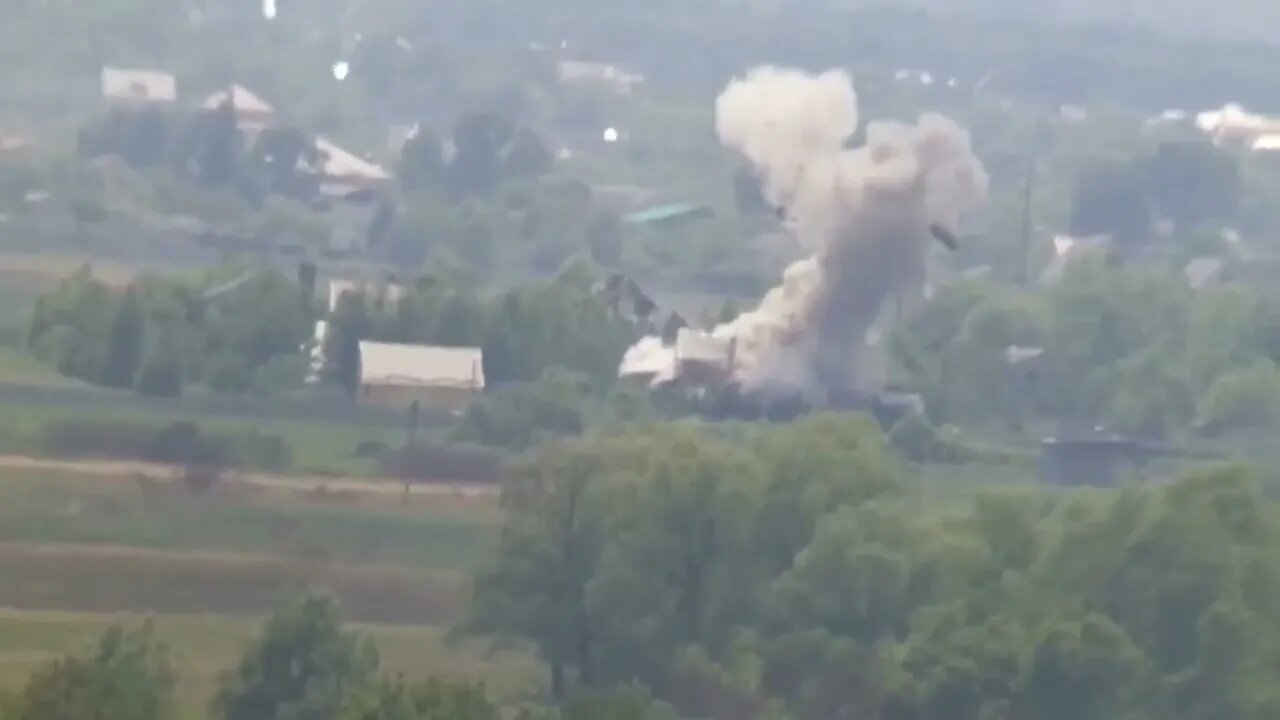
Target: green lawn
201,647
319,448
19,368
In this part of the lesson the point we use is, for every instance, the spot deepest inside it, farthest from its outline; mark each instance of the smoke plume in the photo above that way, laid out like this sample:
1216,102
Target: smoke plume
865,214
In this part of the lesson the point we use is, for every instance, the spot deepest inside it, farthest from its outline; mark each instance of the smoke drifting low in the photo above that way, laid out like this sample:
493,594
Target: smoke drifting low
865,213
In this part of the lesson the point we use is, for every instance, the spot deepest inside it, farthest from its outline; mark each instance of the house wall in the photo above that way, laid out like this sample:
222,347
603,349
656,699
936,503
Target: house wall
434,398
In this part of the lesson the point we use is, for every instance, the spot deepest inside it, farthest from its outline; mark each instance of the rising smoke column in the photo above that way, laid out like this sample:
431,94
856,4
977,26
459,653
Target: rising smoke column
864,213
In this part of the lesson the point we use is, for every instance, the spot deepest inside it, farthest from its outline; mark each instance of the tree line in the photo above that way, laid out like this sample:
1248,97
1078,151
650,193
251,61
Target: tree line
792,572
1135,349
158,336
304,664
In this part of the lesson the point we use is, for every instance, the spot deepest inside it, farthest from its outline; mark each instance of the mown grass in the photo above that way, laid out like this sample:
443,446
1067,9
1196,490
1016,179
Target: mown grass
427,533
318,448
201,647
17,367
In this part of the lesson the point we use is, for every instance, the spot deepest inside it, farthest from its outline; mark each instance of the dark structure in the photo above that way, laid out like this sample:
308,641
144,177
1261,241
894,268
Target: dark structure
1089,461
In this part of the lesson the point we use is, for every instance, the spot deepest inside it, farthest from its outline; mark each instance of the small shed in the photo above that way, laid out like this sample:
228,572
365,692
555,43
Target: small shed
1099,460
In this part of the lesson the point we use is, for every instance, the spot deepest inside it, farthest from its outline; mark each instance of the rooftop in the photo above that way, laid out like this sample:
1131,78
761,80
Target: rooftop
242,99
420,365
667,213
340,163
146,85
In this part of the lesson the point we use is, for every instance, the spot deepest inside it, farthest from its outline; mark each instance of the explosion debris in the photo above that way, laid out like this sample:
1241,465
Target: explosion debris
867,215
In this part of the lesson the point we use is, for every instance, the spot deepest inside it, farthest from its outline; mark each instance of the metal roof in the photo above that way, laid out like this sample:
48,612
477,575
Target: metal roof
421,365
666,213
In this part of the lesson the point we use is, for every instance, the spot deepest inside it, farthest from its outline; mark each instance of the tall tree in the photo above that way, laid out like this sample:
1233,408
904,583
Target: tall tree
303,667
128,677
126,346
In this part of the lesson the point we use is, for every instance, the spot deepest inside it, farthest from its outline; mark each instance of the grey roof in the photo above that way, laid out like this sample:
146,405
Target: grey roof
1203,271
421,365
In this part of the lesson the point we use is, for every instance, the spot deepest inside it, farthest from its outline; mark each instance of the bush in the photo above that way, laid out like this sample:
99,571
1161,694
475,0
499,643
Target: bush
178,443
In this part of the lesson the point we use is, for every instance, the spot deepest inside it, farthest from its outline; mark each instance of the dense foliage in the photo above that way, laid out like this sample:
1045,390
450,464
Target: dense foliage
158,336
1136,350
794,568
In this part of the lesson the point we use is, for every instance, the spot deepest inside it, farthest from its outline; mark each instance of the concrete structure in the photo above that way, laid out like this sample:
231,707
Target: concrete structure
441,379
703,360
253,114
138,87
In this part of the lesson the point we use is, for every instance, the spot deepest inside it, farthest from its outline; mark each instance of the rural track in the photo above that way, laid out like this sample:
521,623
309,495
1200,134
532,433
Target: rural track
289,483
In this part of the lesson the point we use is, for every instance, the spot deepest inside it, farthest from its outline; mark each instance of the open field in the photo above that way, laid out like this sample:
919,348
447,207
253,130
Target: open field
319,447
19,368
81,551
436,532
203,646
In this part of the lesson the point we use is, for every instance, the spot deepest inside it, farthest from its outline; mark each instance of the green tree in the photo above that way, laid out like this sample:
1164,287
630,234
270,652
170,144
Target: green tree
303,667
163,374
433,699
422,160
126,345
1110,199
551,545
1192,183
528,156
128,677
479,141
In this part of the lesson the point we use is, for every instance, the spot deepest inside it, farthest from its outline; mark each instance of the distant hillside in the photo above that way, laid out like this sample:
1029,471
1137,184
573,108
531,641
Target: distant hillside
1250,20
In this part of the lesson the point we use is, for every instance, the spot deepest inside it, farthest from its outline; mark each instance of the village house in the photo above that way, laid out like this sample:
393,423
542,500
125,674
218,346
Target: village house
138,88
438,379
253,114
344,173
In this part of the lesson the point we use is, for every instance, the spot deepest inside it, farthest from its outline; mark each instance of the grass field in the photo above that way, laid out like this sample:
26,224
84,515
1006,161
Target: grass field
201,647
319,448
439,533
19,368
78,553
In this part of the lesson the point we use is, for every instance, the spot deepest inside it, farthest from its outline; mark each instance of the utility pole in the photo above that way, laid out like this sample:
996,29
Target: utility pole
1028,193
1028,197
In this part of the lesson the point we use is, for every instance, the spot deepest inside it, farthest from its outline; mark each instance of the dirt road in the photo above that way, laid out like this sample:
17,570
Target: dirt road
172,473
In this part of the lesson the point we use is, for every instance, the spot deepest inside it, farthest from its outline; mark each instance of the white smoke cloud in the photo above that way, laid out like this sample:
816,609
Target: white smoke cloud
864,213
